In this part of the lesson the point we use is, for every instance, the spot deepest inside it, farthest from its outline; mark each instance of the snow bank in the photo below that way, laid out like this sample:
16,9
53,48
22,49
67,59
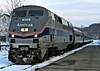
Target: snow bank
95,42
4,43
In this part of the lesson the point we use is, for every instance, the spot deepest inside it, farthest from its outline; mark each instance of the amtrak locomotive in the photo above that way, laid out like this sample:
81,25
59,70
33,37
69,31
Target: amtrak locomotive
36,34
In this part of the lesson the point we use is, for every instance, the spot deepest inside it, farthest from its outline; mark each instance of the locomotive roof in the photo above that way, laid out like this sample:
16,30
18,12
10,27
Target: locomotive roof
29,7
77,30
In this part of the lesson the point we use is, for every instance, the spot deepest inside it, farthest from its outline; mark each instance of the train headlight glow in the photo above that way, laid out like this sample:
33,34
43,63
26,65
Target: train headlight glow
12,35
35,35
24,29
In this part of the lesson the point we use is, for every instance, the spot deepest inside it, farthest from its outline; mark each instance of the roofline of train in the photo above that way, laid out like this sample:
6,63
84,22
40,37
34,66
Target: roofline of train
30,6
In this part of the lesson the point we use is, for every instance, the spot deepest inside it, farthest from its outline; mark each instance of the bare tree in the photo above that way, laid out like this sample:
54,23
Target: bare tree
11,4
5,19
1,10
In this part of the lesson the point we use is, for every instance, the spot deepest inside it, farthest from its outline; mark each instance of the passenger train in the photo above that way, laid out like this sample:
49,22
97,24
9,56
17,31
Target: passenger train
36,34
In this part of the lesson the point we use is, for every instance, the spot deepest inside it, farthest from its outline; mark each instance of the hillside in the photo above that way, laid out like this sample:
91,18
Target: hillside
93,29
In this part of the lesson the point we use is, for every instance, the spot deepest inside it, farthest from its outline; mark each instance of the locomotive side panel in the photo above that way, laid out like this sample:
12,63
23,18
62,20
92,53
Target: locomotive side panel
60,34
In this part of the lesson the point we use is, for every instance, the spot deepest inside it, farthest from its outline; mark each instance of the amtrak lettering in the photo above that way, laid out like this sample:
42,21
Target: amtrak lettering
24,25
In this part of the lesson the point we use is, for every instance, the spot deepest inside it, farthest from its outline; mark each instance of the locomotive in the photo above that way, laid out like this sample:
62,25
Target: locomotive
36,34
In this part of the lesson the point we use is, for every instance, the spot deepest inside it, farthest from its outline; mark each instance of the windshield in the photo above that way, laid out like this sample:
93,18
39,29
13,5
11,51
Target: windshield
35,13
19,13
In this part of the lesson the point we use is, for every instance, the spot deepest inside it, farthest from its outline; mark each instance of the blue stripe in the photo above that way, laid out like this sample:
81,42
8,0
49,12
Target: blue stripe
47,31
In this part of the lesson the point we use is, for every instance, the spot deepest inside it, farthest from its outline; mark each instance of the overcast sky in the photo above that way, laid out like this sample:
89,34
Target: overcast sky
79,12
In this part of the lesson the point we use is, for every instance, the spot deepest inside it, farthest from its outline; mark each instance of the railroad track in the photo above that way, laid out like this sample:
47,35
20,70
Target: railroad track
3,56
6,66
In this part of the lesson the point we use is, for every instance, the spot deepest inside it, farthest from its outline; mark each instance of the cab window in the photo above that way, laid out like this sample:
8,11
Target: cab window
35,13
19,13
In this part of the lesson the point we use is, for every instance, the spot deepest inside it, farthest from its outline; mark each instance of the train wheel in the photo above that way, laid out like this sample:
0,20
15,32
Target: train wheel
54,51
46,56
60,52
11,59
69,47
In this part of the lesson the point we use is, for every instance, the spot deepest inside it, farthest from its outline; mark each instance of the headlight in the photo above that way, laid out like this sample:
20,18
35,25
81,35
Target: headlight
35,35
12,35
24,29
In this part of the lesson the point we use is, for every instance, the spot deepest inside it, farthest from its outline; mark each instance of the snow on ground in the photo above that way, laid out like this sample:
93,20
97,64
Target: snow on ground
3,58
3,52
4,43
95,42
4,61
16,68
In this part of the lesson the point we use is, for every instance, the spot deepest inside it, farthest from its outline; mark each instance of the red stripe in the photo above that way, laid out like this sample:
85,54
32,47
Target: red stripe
33,33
